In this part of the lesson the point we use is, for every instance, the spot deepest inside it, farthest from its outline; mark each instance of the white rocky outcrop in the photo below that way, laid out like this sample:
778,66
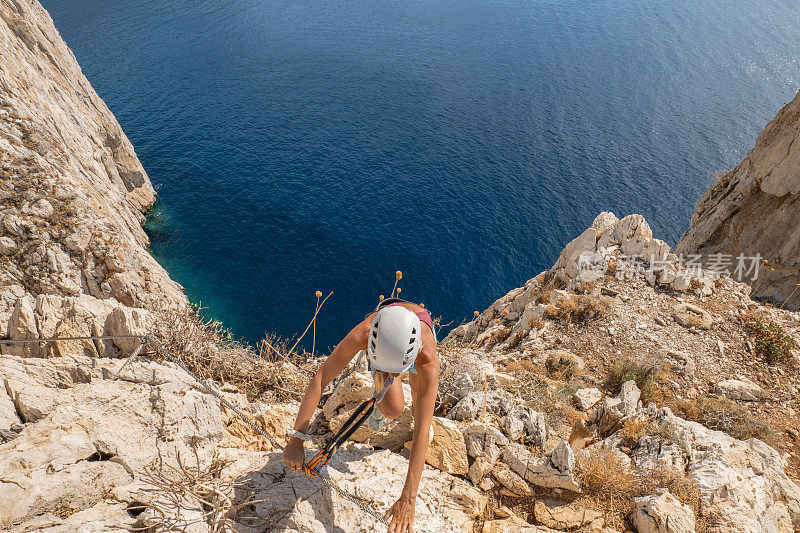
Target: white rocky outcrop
663,513
83,423
627,244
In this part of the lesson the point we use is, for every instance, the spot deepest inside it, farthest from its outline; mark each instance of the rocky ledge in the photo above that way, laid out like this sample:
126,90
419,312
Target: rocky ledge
569,404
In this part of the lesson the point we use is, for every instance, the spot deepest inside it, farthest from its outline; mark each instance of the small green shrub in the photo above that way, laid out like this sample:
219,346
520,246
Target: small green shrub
560,366
646,376
771,342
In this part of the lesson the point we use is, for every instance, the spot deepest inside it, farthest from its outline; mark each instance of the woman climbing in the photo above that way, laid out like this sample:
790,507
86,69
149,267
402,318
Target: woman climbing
398,337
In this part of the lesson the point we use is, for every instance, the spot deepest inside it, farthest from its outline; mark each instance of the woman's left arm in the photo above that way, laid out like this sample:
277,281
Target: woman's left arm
427,379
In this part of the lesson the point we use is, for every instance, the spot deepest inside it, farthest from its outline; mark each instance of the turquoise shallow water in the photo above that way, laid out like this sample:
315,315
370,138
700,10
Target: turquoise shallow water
316,145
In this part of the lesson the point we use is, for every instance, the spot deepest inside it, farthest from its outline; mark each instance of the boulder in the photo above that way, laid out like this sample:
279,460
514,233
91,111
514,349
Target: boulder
22,325
482,438
514,484
524,422
566,517
472,405
662,513
587,398
740,389
7,246
480,468
624,405
563,458
447,450
692,316
541,471
348,394
125,321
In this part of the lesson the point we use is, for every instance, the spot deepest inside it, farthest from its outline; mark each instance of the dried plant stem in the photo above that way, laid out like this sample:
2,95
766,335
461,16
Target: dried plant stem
314,335
313,320
790,296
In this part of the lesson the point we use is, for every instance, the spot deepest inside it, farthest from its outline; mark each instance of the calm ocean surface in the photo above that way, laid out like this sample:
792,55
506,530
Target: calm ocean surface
306,144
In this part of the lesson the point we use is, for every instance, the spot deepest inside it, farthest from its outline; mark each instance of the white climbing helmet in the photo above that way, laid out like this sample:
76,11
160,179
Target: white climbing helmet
395,338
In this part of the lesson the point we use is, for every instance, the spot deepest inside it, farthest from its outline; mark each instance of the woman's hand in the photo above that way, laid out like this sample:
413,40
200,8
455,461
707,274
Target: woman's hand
402,515
294,454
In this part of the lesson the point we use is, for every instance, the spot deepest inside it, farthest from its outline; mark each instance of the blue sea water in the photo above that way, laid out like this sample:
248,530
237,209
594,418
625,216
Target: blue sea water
307,144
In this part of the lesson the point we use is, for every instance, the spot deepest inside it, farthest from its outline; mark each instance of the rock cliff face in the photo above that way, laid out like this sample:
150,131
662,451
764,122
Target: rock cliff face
72,192
755,209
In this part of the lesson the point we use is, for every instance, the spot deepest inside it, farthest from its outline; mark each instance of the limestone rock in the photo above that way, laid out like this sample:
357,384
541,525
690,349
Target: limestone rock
447,451
7,246
540,471
742,482
298,503
125,321
480,468
587,398
482,438
680,362
349,395
8,412
566,517
563,458
472,405
625,404
692,316
514,484
77,180
740,389
662,513
23,326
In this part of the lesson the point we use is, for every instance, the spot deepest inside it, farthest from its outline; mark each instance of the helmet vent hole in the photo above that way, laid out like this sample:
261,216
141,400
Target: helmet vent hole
375,333
413,331
409,350
373,345
412,340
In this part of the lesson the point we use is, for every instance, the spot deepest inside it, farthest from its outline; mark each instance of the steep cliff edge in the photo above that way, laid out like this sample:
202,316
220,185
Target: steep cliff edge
755,209
72,192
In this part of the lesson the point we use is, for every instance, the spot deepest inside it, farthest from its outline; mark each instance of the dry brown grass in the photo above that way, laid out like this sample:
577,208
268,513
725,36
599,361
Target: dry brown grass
611,485
576,308
727,416
560,367
209,350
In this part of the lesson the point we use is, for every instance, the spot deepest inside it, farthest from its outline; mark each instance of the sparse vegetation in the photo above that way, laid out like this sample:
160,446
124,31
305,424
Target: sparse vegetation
727,416
210,351
576,308
770,340
188,494
648,378
611,484
560,366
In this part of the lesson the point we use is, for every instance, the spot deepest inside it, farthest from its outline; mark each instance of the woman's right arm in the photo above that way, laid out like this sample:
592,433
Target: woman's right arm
293,454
